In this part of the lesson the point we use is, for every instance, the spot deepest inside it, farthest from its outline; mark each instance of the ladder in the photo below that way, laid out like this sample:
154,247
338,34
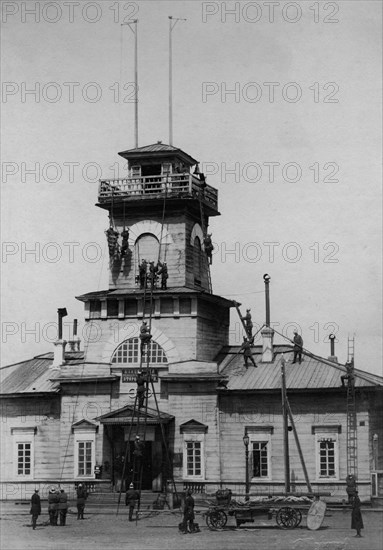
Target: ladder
352,434
206,260
350,348
241,319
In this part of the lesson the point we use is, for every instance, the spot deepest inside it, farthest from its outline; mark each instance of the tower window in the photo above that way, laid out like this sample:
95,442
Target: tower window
112,308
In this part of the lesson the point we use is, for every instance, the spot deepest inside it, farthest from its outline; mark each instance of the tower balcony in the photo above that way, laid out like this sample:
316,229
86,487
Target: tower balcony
173,186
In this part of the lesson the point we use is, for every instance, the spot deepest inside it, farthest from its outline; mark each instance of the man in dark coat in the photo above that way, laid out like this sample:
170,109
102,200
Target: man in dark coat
53,505
35,507
350,487
81,498
131,498
187,525
356,515
298,346
246,346
140,389
63,506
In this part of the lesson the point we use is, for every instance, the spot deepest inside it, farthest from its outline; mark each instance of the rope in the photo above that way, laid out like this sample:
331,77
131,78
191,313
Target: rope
163,219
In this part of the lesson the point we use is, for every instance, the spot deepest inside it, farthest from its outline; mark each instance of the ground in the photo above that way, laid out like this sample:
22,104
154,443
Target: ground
159,530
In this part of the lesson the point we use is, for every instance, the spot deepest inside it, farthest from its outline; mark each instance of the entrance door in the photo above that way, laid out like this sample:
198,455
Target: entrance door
147,467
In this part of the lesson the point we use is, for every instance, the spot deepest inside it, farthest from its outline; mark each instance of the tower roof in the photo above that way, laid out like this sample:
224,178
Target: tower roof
159,150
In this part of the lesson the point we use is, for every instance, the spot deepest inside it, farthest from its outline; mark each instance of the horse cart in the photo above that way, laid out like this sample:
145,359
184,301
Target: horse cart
287,511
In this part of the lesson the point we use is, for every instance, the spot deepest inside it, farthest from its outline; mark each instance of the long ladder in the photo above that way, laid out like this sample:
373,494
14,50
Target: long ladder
206,260
352,430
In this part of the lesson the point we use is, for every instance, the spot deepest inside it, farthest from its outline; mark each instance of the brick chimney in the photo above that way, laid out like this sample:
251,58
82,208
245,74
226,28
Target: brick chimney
267,332
59,350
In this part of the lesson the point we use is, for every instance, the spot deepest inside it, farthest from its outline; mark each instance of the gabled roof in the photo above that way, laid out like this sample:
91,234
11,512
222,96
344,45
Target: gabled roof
314,373
126,414
157,149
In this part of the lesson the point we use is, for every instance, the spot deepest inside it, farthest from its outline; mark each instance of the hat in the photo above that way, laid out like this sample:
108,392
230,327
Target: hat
137,437
52,490
36,490
131,486
295,332
80,484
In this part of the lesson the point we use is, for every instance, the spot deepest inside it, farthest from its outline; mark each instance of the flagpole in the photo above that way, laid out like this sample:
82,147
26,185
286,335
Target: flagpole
172,23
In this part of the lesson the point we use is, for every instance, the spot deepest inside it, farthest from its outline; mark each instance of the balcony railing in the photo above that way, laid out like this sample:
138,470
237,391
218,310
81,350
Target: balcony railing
174,185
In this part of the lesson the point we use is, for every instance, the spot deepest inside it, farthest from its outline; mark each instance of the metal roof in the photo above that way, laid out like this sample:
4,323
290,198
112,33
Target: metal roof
32,376
312,374
158,147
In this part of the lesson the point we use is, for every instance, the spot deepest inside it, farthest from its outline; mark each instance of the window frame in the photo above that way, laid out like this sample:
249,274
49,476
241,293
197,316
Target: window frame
334,437
193,438
23,436
82,435
259,437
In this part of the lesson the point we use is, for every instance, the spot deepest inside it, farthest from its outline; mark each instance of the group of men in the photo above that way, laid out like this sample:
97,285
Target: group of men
57,505
117,251
149,272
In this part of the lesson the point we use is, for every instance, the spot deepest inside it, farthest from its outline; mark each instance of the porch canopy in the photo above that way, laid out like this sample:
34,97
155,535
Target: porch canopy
126,416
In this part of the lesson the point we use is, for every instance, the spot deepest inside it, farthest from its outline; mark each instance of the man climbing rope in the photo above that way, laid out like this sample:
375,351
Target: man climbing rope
142,273
208,245
145,335
125,242
140,389
298,346
113,246
246,346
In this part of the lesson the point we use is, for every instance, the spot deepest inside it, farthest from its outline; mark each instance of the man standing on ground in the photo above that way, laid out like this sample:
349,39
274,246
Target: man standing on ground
81,498
35,507
131,498
63,506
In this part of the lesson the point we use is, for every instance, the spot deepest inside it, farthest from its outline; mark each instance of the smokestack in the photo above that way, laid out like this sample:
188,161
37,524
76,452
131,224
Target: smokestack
74,343
59,350
267,332
332,357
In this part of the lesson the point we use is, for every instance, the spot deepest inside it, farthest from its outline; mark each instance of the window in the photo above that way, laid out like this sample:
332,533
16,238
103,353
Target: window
327,456
95,309
327,451
135,171
185,305
84,458
197,261
112,308
24,459
193,458
260,459
23,451
129,352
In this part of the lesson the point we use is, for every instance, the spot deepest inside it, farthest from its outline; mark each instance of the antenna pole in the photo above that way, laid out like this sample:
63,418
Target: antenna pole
172,23
135,32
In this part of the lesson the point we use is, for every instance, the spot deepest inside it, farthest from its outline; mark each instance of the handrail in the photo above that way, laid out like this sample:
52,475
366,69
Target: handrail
172,184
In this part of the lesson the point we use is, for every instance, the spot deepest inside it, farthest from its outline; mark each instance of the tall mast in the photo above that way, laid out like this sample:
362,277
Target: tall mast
135,32
172,23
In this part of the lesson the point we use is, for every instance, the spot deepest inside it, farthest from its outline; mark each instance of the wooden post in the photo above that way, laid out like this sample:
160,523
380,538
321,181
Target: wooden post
285,428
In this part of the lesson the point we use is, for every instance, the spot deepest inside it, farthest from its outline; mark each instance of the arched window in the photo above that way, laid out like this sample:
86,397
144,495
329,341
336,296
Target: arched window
146,248
129,352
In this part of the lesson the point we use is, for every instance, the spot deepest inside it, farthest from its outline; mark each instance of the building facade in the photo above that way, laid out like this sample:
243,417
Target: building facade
71,415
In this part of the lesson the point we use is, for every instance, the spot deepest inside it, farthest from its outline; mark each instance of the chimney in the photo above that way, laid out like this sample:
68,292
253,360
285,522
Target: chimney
267,332
332,357
74,343
59,351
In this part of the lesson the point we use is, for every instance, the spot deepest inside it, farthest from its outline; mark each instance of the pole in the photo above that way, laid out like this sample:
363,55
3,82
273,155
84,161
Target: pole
285,428
298,446
170,83
136,84
135,32
247,489
172,23
266,279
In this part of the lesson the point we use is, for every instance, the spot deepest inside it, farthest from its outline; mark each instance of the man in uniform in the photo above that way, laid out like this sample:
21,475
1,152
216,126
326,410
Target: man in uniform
163,271
142,273
35,507
246,346
140,389
53,504
298,346
131,498
63,506
81,498
349,376
145,335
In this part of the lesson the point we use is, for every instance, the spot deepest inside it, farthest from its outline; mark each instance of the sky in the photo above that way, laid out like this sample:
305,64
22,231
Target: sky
281,104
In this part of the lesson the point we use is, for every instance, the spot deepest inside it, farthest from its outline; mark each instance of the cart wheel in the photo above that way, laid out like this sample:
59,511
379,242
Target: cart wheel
288,518
216,519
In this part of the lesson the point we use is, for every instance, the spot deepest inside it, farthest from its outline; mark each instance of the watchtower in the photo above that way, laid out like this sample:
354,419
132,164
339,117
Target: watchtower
159,216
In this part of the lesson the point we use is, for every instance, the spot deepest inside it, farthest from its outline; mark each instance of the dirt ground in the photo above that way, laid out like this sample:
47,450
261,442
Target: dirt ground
159,530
